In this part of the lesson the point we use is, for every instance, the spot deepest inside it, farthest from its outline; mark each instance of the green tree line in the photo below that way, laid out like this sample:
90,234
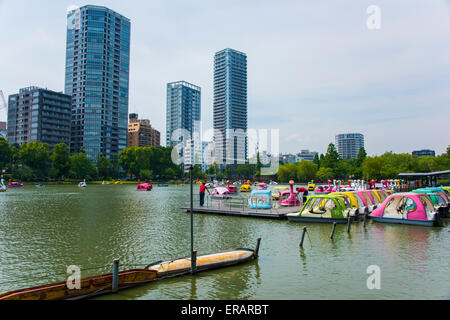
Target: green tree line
387,166
35,162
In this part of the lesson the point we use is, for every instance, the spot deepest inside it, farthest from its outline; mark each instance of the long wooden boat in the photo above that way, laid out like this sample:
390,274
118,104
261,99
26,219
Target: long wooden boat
209,261
90,287
99,285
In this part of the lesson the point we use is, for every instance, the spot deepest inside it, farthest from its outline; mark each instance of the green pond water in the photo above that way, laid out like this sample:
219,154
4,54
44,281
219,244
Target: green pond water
43,231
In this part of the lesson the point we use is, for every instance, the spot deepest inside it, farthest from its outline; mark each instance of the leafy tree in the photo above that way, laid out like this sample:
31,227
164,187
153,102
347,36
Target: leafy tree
331,158
317,160
5,153
81,167
324,174
35,155
306,171
287,172
60,161
104,168
362,154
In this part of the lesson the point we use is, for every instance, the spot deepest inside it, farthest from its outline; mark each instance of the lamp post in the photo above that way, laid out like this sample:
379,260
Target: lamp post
193,253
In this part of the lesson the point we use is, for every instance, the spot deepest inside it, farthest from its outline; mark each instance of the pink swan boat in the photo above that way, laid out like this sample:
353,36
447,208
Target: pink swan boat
289,198
144,186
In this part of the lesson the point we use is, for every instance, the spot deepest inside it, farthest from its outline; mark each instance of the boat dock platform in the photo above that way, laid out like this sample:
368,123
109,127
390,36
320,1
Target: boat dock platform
274,213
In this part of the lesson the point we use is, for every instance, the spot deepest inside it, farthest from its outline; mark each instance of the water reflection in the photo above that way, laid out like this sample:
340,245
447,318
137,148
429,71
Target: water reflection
42,231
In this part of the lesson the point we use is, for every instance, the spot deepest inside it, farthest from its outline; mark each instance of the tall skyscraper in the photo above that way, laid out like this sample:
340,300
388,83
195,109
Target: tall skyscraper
348,145
183,120
97,78
230,107
37,114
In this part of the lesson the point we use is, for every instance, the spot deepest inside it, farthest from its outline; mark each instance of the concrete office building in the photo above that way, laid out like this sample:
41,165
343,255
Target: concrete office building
141,133
37,114
97,78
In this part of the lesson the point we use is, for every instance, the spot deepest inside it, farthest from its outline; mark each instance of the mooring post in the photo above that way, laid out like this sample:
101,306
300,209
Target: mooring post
365,220
349,223
115,283
332,231
191,168
194,262
258,243
303,237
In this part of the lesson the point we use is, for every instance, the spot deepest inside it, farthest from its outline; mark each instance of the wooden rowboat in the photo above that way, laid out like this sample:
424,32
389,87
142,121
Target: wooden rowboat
90,287
209,261
99,285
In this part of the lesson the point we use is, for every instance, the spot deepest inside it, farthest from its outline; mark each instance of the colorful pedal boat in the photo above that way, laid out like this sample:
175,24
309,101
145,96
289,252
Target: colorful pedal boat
260,199
322,209
408,208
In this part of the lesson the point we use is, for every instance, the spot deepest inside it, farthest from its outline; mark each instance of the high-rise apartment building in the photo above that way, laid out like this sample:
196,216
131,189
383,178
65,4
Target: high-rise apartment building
348,145
97,78
423,153
183,121
230,107
37,114
141,133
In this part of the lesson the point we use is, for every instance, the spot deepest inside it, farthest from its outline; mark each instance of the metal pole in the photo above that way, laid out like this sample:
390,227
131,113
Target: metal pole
303,237
332,231
258,243
115,284
192,213
194,262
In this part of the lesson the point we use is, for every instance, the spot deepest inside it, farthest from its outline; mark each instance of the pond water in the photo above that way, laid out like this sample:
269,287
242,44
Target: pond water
43,231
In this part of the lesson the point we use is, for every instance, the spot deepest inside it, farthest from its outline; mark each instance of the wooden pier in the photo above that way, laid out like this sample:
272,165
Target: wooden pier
274,213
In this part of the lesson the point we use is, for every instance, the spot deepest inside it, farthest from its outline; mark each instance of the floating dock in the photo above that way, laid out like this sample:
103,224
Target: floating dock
274,213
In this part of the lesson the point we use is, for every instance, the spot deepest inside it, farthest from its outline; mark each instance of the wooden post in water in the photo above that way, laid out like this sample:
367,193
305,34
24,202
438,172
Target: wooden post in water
365,220
194,262
258,243
115,283
333,230
303,237
193,254
349,223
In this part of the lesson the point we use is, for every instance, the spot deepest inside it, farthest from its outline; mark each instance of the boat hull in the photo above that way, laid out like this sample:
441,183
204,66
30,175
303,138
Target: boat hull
92,286
317,220
181,266
425,223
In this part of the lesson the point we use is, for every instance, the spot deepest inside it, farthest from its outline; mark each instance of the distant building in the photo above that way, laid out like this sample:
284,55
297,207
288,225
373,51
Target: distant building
97,78
425,152
208,155
3,132
230,107
306,155
288,158
36,114
141,133
348,145
183,117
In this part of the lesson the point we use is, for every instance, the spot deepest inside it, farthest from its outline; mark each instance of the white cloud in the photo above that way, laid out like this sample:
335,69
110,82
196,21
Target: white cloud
314,70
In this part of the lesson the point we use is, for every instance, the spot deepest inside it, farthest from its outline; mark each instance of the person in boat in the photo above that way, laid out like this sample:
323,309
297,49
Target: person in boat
203,188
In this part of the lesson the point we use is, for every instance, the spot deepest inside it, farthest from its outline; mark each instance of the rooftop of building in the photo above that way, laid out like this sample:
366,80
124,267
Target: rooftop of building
184,83
71,9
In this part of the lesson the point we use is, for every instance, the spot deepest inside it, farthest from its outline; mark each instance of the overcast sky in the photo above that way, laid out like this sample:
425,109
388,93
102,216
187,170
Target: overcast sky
314,68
